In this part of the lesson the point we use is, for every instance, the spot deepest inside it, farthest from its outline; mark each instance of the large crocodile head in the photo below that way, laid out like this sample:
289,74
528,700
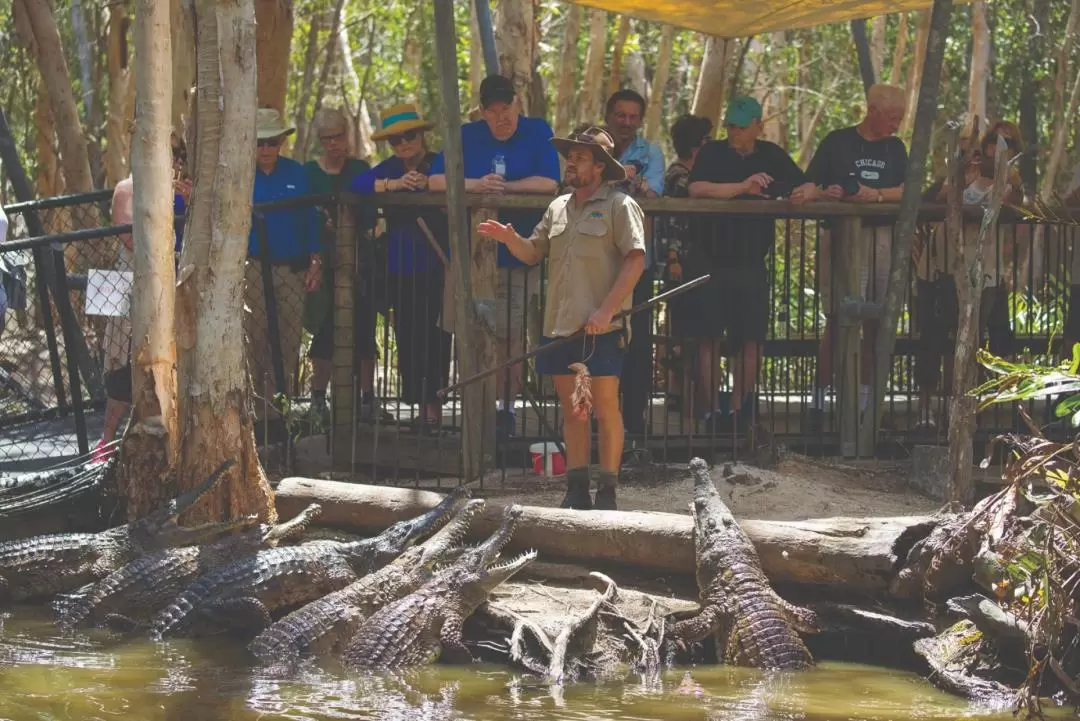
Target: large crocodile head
392,542
450,537
717,536
476,571
160,530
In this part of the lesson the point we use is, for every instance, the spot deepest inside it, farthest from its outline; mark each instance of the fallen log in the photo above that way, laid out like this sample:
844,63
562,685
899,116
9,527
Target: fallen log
853,555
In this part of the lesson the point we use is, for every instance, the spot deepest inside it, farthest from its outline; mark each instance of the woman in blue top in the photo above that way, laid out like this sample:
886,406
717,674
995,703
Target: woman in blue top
414,269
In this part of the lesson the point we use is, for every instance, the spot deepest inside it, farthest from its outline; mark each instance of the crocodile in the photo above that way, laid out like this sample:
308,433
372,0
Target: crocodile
42,566
418,628
751,624
129,596
322,626
245,593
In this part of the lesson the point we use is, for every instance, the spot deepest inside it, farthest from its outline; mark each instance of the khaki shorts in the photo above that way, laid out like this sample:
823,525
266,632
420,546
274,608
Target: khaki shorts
876,257
517,309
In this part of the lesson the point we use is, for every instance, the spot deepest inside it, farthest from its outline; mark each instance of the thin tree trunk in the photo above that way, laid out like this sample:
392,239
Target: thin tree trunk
328,64
901,49
877,44
182,30
653,121
54,73
980,62
515,40
477,71
152,440
615,76
273,41
116,127
915,72
311,57
712,82
781,91
1057,146
592,80
900,260
362,144
91,108
1058,115
806,144
214,397
807,101
50,179
566,87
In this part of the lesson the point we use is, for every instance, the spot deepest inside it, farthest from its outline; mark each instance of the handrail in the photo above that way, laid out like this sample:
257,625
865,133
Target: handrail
59,201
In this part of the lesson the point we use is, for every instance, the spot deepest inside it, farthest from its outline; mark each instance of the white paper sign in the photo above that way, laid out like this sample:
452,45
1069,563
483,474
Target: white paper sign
107,292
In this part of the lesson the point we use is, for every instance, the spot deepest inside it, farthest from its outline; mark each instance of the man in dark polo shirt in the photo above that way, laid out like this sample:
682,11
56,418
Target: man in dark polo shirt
733,249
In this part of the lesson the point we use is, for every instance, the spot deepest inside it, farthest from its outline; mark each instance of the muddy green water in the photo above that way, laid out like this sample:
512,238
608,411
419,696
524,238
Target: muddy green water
99,675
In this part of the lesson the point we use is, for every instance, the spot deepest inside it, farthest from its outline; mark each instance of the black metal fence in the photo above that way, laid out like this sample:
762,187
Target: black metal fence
378,338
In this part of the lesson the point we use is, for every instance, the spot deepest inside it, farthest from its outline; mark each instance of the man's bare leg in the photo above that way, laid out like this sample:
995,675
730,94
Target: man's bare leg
605,394
707,380
577,437
745,369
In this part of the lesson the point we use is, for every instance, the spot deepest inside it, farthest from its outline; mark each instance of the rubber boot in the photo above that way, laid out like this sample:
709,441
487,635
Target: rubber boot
577,490
606,483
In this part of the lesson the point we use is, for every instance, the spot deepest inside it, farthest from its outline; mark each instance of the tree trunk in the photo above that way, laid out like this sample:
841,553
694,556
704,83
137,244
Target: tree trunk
1057,146
914,176
780,90
214,399
900,51
54,73
328,63
592,80
311,57
91,108
615,76
116,128
566,87
477,71
182,30
847,554
654,115
1057,114
152,440
877,44
516,42
915,72
50,179
273,43
712,83
980,62
362,144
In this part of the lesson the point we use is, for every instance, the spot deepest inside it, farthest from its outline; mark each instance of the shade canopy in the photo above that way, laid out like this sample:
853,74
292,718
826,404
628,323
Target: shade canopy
741,18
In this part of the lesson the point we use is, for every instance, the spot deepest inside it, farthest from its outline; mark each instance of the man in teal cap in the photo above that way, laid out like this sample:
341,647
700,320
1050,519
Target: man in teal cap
733,249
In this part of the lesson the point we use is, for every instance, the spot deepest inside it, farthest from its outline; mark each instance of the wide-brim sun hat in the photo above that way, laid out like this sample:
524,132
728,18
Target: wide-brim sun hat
400,119
268,125
595,139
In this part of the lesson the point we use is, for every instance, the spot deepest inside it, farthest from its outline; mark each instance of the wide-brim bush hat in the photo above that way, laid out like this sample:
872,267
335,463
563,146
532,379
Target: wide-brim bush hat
602,146
268,125
400,119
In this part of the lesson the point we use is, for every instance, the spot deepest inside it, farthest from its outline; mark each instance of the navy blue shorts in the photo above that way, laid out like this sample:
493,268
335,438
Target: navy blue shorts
601,354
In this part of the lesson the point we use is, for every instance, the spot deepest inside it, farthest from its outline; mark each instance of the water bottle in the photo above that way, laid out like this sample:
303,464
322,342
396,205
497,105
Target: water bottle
498,165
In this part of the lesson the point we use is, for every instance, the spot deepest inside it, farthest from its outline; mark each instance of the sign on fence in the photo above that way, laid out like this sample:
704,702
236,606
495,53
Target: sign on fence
107,292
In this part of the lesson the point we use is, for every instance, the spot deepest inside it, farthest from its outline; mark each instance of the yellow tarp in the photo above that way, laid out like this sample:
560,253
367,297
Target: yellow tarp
740,18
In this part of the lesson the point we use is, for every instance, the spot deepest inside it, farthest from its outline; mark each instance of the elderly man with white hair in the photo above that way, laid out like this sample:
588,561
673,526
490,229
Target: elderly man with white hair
865,163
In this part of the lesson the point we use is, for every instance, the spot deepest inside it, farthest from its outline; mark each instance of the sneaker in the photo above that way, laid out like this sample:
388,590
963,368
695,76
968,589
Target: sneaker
372,411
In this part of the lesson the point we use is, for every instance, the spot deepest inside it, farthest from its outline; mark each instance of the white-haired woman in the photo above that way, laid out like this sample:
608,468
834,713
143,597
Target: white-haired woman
331,172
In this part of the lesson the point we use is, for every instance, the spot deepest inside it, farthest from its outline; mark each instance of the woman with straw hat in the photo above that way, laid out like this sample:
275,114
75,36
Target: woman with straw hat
414,264
292,242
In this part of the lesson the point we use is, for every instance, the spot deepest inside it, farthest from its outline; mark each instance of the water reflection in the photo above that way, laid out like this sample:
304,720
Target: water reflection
99,675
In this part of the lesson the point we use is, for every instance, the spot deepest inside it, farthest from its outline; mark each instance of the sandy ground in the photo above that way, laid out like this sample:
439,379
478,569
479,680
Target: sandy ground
799,488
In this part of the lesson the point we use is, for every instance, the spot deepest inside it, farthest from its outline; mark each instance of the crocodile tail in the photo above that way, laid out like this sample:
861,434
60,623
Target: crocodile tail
173,616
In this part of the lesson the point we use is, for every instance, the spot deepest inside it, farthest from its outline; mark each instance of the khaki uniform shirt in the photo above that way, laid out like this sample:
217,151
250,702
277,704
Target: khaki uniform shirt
585,247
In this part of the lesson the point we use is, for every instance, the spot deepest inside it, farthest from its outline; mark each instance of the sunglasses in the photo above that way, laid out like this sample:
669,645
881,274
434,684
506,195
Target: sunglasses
407,137
269,142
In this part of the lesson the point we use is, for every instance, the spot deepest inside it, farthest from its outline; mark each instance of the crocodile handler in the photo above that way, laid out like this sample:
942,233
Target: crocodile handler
594,241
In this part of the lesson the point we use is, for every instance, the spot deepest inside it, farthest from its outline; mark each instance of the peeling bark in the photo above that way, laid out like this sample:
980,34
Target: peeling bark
214,398
877,44
980,62
592,80
566,87
116,127
653,116
182,30
152,440
476,58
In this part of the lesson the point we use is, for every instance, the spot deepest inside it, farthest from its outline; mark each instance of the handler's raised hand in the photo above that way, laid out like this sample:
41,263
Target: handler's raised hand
496,231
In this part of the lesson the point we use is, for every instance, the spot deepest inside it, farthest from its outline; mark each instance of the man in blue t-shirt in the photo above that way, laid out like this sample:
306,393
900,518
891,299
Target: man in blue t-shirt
506,152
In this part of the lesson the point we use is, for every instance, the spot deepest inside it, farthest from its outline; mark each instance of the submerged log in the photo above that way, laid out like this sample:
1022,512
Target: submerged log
853,555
